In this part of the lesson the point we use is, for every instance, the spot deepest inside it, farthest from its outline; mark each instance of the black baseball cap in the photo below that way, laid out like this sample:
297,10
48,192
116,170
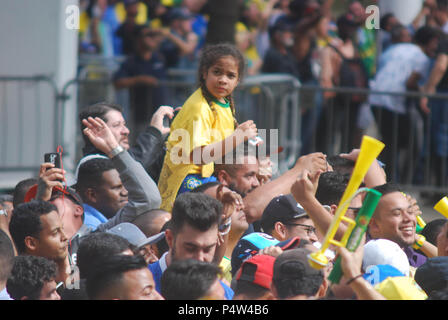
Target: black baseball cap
282,208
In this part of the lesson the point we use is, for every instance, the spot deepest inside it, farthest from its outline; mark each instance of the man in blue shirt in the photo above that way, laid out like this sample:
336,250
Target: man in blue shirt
192,234
141,73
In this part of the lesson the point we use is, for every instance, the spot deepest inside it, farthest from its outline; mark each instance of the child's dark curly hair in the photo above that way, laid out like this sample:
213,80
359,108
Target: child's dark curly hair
209,56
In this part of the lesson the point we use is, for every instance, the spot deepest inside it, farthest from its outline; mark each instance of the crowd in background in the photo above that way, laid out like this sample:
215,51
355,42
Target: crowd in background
321,43
137,225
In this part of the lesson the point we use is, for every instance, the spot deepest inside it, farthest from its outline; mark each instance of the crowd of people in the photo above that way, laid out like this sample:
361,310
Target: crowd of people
192,211
316,42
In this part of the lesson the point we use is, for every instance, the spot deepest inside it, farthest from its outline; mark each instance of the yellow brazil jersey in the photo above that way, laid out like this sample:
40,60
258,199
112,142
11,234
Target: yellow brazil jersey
226,268
197,124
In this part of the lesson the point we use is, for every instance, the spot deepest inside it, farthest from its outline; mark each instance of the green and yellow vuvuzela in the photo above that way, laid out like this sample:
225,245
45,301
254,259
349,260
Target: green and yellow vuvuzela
369,151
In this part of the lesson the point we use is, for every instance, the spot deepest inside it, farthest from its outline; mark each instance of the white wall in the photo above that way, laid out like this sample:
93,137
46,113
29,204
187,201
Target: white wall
34,41
404,10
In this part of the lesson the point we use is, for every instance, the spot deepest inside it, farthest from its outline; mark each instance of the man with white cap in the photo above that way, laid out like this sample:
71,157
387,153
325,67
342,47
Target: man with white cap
383,258
136,237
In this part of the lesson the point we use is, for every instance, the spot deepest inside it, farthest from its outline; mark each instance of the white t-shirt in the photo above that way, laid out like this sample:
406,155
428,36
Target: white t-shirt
395,66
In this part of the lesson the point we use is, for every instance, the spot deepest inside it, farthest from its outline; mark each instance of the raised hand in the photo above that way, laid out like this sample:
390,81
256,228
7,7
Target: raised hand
305,186
159,115
99,134
232,202
313,162
245,131
49,177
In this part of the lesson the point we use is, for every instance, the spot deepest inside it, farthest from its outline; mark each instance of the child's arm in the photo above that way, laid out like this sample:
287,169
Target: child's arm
217,150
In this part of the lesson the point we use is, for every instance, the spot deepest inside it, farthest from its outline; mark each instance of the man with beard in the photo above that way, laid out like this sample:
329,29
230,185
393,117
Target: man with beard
238,224
192,234
240,175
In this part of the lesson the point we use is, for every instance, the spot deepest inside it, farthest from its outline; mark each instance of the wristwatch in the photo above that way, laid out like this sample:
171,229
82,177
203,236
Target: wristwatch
115,151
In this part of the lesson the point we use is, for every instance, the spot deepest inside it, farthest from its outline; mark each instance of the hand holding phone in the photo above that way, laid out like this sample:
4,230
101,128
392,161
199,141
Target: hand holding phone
54,158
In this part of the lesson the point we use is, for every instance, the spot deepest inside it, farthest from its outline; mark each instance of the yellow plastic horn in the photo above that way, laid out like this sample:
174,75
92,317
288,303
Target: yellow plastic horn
442,207
369,151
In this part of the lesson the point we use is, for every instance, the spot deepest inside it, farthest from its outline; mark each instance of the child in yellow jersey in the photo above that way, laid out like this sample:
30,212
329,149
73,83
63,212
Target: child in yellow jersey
204,129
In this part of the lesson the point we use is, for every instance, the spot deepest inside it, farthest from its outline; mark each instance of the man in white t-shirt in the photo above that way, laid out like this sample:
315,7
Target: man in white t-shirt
401,68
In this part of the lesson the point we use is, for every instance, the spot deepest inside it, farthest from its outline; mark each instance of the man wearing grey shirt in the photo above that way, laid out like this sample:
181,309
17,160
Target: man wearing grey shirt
139,193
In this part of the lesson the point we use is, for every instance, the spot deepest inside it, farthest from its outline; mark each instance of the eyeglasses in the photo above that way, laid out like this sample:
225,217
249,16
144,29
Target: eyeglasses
309,229
355,210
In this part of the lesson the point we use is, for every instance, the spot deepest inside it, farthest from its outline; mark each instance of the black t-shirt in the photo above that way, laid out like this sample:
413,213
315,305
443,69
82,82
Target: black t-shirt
275,62
443,49
145,100
126,32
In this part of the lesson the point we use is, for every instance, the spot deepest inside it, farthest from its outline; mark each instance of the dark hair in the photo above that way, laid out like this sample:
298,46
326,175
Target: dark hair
251,290
188,279
162,245
292,277
28,276
346,27
90,174
385,20
298,7
341,165
99,110
21,189
241,151
395,33
198,210
442,5
387,188
331,187
6,256
441,294
97,246
384,189
138,30
204,187
6,198
25,221
109,272
69,193
145,221
425,34
432,230
212,53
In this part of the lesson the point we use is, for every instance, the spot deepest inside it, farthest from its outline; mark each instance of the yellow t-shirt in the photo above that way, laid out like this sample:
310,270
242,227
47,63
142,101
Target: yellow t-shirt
226,268
142,13
196,125
400,288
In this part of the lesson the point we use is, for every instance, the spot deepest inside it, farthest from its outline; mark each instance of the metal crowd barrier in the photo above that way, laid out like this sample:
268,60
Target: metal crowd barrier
30,125
32,112
412,162
270,100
